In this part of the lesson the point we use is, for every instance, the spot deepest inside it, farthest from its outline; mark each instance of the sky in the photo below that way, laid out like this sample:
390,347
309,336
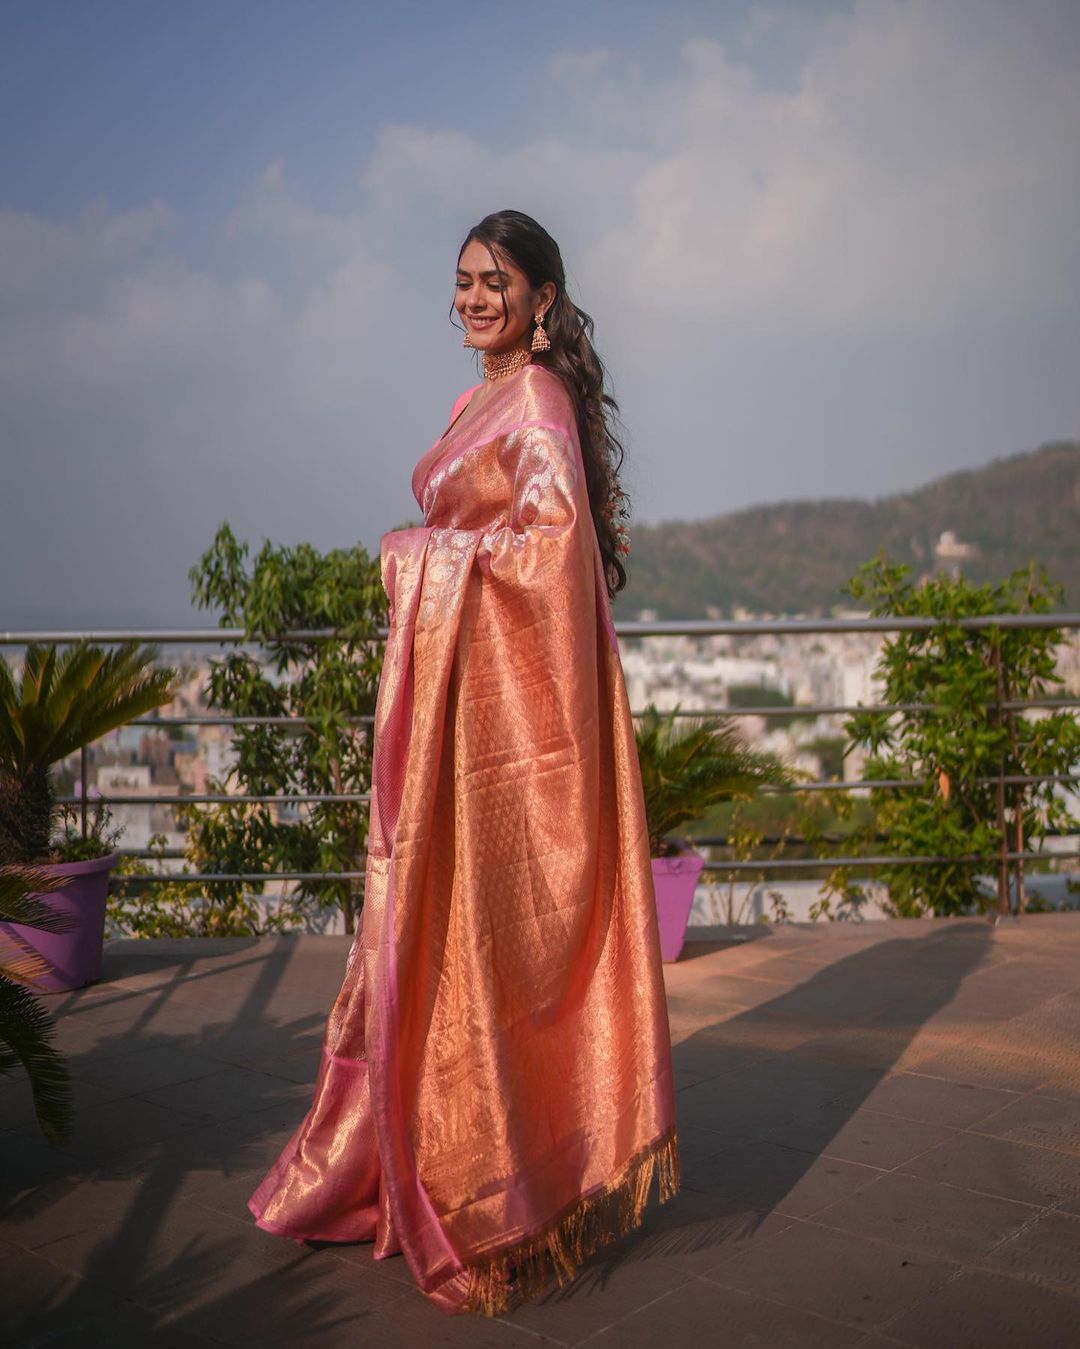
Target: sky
830,249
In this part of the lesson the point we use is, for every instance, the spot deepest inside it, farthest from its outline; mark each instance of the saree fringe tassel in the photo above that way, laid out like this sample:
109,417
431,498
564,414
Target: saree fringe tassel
553,1258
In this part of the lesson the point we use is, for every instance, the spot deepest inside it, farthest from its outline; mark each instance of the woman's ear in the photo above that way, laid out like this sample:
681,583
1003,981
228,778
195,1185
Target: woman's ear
545,297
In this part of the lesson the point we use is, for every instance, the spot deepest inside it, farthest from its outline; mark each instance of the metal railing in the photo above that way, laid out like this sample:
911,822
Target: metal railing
633,630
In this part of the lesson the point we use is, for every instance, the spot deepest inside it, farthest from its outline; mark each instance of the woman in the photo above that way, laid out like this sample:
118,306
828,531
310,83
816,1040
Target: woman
495,1091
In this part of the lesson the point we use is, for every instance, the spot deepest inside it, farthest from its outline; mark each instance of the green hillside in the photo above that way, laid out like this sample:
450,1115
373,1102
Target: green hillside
795,556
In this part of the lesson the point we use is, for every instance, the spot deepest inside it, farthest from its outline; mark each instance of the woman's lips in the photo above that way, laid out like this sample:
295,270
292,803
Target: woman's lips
479,322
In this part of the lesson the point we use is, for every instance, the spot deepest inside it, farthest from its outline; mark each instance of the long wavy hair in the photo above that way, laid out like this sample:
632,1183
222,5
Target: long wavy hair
573,358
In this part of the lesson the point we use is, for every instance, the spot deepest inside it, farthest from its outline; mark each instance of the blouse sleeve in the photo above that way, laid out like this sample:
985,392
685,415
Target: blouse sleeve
539,535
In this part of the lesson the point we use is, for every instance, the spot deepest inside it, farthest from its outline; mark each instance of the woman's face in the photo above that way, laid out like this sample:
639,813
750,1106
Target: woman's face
483,286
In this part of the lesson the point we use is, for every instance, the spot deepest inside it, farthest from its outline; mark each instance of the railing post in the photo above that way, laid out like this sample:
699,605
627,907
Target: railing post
82,789
1018,800
1003,862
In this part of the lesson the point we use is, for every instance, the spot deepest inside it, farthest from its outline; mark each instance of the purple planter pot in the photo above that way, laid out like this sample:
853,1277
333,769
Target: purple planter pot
675,879
73,957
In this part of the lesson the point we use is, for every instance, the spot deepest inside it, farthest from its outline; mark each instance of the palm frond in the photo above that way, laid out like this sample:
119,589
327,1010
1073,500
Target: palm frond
19,888
688,765
18,903
72,698
9,699
26,1032
20,964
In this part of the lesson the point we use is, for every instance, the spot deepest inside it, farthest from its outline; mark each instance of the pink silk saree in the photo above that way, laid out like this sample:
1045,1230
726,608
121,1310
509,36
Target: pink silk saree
495,1091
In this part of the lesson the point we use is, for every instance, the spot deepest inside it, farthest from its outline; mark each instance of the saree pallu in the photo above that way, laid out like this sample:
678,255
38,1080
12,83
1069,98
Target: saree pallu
495,1091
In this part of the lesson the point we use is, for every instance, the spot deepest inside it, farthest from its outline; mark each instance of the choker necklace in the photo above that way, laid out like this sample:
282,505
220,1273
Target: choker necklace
498,364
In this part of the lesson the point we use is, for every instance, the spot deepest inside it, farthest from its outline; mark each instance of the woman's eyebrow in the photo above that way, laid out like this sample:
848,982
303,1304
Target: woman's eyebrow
503,276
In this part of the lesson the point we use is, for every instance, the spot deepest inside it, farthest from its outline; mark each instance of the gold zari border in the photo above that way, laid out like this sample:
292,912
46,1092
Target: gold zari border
526,1271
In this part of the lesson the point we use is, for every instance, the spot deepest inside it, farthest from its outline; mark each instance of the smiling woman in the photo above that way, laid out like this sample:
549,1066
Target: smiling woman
495,1093
497,303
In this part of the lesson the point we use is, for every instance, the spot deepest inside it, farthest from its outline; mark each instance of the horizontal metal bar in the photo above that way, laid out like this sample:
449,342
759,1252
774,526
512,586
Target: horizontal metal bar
325,798
765,864
173,636
795,863
237,721
739,627
794,710
206,800
804,710
231,877
683,627
777,840
827,785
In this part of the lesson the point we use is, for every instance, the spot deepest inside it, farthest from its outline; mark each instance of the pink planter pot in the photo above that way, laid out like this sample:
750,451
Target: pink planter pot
675,879
73,957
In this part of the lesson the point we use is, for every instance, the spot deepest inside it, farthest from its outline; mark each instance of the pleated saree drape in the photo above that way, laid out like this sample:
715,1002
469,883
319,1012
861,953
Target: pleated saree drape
495,1091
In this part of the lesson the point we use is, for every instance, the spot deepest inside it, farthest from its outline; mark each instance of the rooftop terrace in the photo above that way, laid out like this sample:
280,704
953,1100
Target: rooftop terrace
880,1126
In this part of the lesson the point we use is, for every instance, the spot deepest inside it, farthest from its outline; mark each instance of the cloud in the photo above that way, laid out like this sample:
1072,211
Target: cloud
921,171
840,273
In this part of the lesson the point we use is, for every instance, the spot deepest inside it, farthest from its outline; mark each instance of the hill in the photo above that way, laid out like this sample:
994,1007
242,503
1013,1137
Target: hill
794,557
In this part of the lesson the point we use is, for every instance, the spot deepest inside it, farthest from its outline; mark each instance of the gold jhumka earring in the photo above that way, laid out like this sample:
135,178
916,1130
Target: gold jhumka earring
540,341
468,340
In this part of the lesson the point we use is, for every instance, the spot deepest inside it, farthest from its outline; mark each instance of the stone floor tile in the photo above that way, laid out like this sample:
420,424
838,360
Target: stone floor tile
413,1323
932,1100
711,1053
317,1302
203,1157
229,1094
697,1145
706,1313
230,1196
117,1325
208,1270
609,1287
835,1275
140,1070
766,1176
979,1063
36,1294
929,1218
27,1162
862,1046
298,1065
865,1136
742,989
995,1166
1040,1120
697,1233
62,1208
17,1103
980,1310
765,1095
1047,1249
119,1128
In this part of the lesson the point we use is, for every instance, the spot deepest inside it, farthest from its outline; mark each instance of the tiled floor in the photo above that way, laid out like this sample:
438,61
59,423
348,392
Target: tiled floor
880,1129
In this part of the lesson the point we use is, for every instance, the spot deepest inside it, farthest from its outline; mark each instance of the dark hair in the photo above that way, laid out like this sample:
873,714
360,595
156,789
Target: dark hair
573,358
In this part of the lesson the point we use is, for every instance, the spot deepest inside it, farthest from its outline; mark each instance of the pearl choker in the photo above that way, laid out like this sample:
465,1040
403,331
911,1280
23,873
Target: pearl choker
498,364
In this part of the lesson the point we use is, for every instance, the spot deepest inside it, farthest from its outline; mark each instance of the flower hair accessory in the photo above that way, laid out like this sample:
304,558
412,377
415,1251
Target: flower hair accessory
617,511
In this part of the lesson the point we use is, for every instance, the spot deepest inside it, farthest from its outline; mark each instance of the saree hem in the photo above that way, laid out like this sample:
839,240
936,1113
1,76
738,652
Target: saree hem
274,1229
553,1257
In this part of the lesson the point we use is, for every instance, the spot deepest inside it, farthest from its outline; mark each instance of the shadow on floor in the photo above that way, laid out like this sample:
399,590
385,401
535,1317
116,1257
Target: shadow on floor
754,1118
150,1269
741,1087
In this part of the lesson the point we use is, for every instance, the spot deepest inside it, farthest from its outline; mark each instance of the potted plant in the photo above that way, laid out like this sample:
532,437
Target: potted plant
688,765
65,699
26,1029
